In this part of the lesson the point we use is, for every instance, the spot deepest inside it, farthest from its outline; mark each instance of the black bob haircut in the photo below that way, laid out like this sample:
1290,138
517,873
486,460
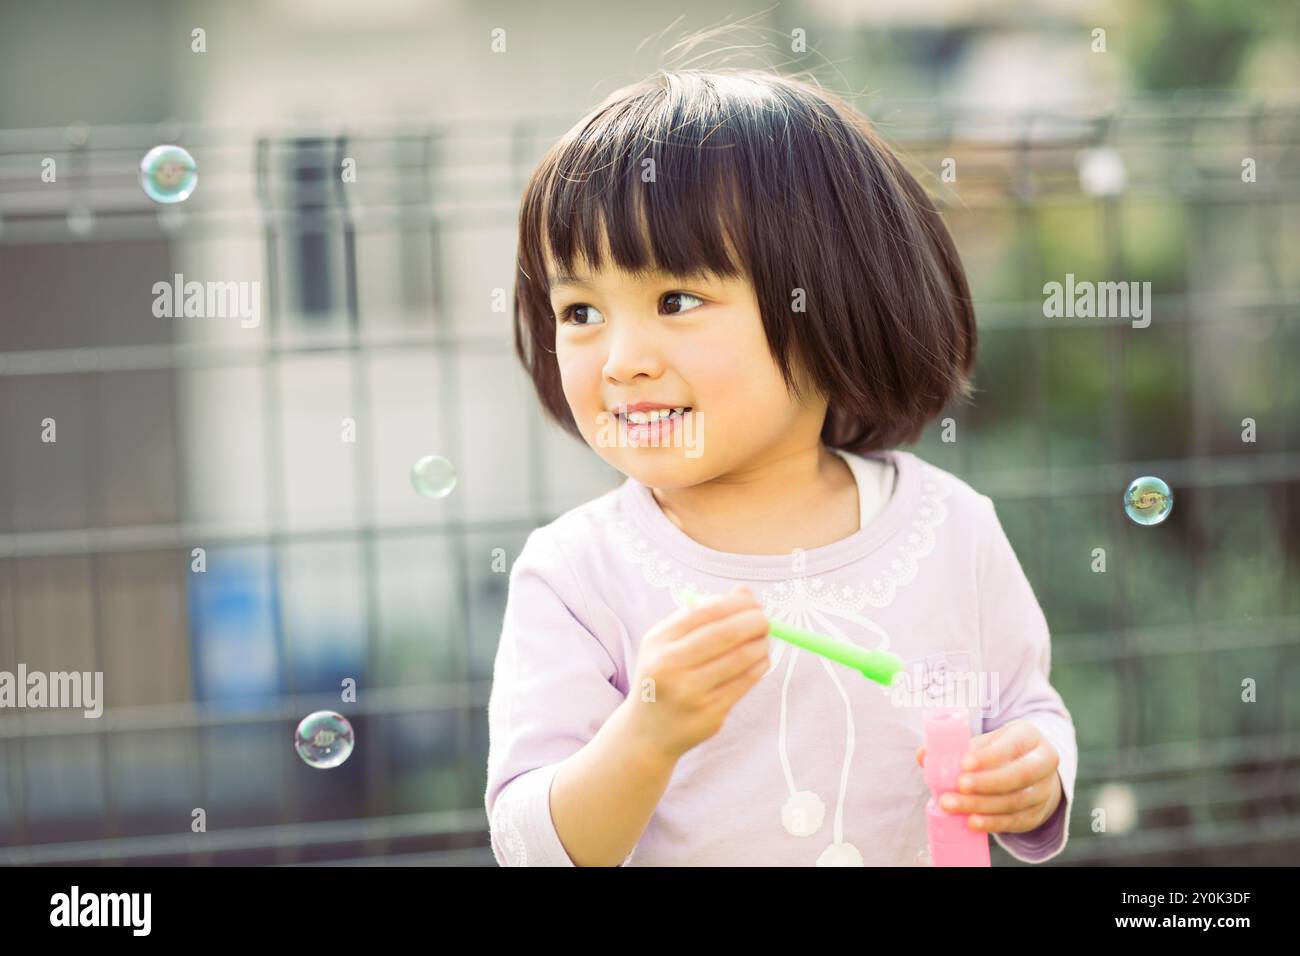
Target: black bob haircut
772,178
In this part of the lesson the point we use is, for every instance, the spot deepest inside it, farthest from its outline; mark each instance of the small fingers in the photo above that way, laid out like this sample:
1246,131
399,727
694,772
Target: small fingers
1029,768
1018,822
1013,802
1002,745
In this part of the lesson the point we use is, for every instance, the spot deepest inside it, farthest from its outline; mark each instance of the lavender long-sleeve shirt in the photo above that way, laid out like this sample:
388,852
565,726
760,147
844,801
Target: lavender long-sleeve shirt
815,765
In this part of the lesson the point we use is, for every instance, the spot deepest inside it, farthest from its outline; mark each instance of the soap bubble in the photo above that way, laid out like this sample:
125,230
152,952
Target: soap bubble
323,739
433,476
168,174
1148,500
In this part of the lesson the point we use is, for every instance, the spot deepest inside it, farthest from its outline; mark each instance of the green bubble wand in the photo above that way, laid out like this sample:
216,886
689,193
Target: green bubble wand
879,666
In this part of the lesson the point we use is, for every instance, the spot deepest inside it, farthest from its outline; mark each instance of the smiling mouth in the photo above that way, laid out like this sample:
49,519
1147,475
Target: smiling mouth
674,416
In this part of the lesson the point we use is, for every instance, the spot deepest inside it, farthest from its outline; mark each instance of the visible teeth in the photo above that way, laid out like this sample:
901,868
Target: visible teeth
654,415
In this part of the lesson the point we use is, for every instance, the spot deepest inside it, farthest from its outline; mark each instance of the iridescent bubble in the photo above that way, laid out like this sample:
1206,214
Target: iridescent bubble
433,476
323,739
168,174
1148,500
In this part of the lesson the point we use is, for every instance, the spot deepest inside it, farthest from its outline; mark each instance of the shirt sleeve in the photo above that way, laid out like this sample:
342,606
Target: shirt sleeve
1017,648
553,685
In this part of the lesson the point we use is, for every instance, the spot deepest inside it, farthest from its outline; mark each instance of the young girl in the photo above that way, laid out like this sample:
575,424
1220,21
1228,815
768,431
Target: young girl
733,292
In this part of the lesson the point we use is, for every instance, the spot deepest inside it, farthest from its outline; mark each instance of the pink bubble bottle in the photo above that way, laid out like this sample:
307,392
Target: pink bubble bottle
947,738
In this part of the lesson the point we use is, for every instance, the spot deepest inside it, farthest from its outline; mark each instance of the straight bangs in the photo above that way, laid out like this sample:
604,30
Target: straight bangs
656,176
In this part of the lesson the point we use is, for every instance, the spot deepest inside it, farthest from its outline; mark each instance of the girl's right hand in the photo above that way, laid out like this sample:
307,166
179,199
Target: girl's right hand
692,668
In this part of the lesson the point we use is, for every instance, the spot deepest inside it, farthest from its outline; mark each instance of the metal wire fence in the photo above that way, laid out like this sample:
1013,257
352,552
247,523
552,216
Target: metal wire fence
384,306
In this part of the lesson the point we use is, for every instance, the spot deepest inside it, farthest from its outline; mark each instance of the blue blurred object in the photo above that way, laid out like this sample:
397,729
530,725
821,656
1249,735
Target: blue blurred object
238,661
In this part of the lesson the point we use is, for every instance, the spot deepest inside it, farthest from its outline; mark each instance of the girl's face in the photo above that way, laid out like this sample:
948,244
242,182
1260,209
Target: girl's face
680,342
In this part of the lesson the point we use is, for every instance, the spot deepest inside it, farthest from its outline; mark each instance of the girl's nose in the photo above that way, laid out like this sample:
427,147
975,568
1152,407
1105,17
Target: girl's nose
632,352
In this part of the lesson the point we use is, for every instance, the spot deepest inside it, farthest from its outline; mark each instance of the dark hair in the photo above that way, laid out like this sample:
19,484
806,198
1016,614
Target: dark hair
797,185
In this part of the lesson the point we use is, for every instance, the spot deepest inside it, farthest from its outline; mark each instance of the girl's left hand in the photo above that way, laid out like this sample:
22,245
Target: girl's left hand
1010,783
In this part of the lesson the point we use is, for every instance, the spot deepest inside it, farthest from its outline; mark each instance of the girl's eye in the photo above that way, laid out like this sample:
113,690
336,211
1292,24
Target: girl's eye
682,295
567,314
